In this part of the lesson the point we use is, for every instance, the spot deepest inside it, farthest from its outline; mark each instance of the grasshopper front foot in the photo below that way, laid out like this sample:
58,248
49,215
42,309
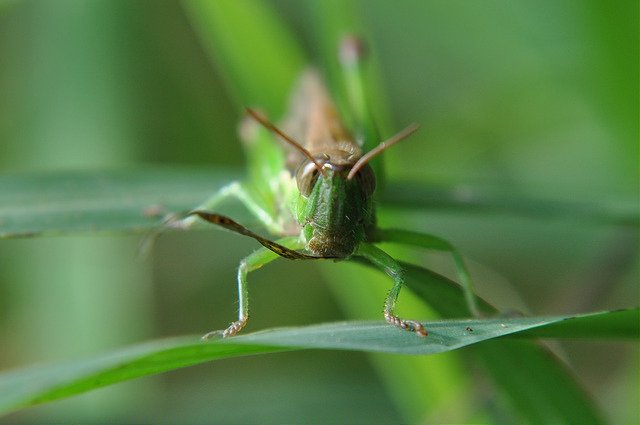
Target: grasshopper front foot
234,328
407,325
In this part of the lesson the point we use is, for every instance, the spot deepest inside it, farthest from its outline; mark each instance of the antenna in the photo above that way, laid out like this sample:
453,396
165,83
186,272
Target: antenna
269,126
381,147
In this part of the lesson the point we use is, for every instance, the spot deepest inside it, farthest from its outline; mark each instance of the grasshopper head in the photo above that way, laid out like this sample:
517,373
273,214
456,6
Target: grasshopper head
336,211
335,208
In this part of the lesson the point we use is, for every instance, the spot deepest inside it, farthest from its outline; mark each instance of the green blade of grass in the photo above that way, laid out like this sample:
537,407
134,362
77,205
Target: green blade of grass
494,200
357,84
537,383
46,383
136,200
258,57
611,324
125,200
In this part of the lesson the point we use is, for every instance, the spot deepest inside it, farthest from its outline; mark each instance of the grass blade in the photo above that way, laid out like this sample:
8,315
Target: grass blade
543,391
135,200
610,324
539,386
46,383
250,41
494,200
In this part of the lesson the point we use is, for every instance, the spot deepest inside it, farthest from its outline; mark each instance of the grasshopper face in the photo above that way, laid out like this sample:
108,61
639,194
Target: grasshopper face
337,212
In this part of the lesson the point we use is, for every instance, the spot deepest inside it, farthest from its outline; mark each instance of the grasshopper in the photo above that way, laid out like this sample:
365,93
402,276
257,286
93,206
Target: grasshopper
315,192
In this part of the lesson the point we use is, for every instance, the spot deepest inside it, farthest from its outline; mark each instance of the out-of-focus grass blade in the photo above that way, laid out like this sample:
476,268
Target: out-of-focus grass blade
35,385
258,57
126,200
540,387
487,199
610,324
5,4
536,382
135,200
335,19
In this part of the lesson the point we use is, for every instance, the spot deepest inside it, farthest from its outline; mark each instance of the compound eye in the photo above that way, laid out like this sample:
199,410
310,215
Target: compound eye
367,180
306,177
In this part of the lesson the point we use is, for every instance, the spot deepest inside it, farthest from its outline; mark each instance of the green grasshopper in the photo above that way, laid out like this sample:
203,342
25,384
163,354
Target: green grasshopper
316,194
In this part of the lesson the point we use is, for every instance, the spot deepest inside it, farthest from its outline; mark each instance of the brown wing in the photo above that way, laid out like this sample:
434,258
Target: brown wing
313,120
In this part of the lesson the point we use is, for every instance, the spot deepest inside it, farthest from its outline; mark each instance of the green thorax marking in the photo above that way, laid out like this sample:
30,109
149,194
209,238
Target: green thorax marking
336,213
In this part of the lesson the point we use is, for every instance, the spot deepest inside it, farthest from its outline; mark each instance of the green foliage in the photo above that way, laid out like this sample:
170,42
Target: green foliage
126,200
55,203
41,384
527,162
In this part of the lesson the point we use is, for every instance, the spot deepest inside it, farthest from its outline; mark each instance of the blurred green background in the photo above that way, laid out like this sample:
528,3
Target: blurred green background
538,99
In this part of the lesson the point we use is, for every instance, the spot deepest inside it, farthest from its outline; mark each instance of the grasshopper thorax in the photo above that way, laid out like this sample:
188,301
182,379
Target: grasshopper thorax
336,212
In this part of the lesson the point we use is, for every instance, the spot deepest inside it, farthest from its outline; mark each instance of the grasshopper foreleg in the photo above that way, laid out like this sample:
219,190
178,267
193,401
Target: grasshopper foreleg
423,240
381,259
253,262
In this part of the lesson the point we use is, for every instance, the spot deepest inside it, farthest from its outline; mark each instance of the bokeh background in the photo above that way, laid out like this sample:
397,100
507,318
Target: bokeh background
538,99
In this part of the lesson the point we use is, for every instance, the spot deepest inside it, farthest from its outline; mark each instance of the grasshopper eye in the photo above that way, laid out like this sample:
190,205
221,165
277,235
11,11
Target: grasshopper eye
306,177
366,180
